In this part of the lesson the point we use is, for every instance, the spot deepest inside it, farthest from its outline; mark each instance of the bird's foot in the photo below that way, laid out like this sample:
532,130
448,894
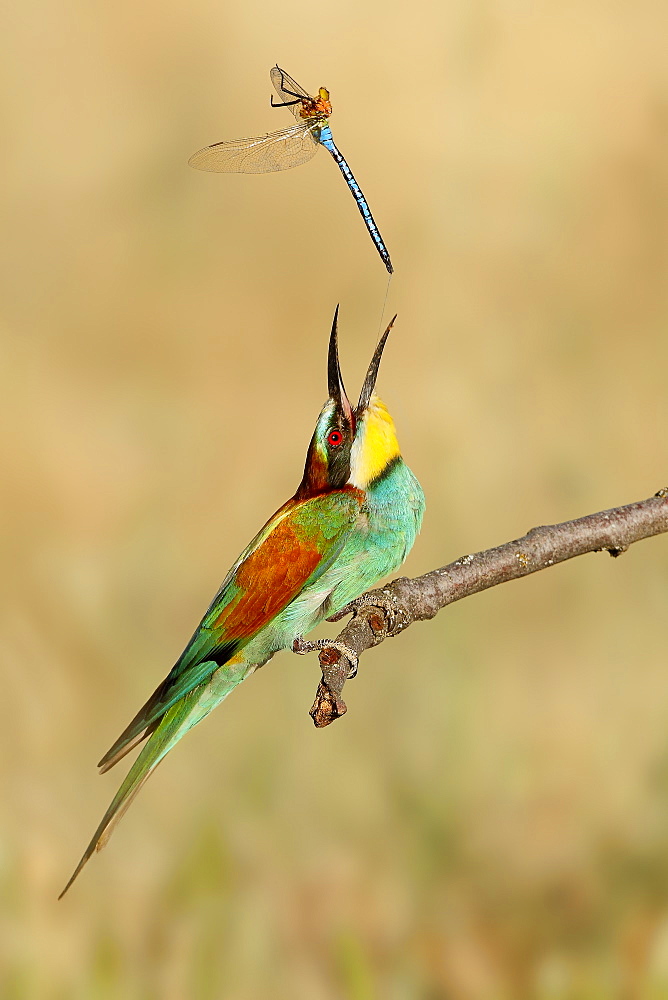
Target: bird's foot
302,646
374,600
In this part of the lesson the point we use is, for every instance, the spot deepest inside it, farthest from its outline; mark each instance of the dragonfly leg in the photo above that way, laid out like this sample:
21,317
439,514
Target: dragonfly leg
286,90
284,104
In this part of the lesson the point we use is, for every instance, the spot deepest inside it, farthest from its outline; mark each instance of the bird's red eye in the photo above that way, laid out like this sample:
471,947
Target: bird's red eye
334,438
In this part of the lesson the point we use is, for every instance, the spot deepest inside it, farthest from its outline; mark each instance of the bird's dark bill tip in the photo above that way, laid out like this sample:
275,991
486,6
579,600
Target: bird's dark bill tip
73,876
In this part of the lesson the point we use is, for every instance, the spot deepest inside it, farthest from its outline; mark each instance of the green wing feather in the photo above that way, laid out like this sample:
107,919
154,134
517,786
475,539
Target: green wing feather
291,552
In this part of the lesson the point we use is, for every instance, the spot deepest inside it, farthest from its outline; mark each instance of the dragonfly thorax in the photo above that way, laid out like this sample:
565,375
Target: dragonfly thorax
316,107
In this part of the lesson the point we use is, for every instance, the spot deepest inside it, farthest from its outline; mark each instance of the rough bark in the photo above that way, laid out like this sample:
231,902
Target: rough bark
403,601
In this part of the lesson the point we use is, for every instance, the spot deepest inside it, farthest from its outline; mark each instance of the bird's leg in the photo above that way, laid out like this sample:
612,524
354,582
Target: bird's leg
302,646
373,600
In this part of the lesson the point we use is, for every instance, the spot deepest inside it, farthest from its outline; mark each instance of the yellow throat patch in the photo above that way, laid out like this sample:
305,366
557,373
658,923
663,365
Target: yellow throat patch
375,444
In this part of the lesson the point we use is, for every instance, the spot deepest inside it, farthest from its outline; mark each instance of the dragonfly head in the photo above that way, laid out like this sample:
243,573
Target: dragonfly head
316,107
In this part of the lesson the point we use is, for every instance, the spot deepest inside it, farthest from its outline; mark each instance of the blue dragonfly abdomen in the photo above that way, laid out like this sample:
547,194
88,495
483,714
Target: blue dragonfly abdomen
325,139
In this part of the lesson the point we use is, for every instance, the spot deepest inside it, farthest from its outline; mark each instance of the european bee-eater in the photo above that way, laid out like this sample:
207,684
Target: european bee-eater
352,521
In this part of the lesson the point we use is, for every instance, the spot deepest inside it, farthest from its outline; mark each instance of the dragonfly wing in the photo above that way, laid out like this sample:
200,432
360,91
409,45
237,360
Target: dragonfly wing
262,155
288,90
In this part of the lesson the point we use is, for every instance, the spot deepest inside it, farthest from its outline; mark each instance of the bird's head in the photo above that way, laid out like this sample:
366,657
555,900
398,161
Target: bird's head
350,447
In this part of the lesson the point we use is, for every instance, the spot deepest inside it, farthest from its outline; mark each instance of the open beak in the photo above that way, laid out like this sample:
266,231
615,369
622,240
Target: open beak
372,373
335,385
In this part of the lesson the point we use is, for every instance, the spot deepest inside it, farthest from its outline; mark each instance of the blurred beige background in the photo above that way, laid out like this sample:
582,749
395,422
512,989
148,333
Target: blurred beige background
490,820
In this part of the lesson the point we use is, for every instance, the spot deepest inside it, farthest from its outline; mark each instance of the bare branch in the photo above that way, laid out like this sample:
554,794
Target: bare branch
405,601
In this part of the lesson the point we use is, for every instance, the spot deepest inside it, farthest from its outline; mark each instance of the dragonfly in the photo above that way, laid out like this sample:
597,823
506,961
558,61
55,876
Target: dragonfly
290,147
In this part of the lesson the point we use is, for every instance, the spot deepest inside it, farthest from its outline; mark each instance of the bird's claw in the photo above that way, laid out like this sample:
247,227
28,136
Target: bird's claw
374,600
302,646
